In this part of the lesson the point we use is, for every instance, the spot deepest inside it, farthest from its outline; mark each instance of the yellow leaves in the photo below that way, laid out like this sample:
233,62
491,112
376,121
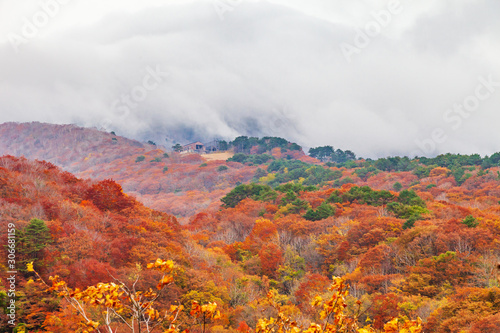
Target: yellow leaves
283,210
316,301
355,275
76,294
131,304
110,295
195,309
266,179
337,281
29,267
401,325
280,324
174,311
365,330
90,326
167,279
107,294
207,310
397,325
314,328
439,171
415,327
217,315
262,325
58,286
391,326
152,313
150,293
175,308
210,307
162,265
271,294
331,308
172,329
152,265
112,300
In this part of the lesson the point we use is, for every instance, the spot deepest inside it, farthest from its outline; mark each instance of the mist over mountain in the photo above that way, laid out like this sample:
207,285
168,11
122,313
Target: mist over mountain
309,72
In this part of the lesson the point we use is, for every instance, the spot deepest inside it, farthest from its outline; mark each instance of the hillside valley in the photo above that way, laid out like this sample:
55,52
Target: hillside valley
270,239
175,184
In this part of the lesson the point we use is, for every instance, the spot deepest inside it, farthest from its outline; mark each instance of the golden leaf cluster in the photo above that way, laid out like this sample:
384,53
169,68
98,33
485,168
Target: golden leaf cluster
207,310
162,265
333,316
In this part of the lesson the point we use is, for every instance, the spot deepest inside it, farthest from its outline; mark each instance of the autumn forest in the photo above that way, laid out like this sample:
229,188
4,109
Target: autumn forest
116,235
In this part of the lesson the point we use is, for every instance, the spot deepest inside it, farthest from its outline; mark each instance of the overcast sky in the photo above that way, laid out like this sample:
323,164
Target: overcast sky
377,77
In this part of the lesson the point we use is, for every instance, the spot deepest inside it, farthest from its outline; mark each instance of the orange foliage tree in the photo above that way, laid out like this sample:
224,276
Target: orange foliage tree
106,307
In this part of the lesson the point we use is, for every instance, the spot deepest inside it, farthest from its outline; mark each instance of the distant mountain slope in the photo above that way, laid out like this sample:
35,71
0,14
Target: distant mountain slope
64,145
180,184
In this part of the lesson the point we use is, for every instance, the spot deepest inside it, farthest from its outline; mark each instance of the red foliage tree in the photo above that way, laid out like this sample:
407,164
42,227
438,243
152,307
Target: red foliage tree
312,284
271,257
108,195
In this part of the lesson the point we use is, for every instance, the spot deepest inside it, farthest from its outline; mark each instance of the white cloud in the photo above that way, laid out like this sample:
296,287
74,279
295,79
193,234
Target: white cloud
268,68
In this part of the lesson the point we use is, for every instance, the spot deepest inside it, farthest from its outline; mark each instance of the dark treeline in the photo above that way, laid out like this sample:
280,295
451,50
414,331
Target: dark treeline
244,144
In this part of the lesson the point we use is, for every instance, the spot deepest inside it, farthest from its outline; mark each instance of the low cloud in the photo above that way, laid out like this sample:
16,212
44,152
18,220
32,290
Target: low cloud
263,68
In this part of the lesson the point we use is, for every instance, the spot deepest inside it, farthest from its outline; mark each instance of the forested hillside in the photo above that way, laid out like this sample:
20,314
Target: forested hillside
272,240
414,243
171,182
82,245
